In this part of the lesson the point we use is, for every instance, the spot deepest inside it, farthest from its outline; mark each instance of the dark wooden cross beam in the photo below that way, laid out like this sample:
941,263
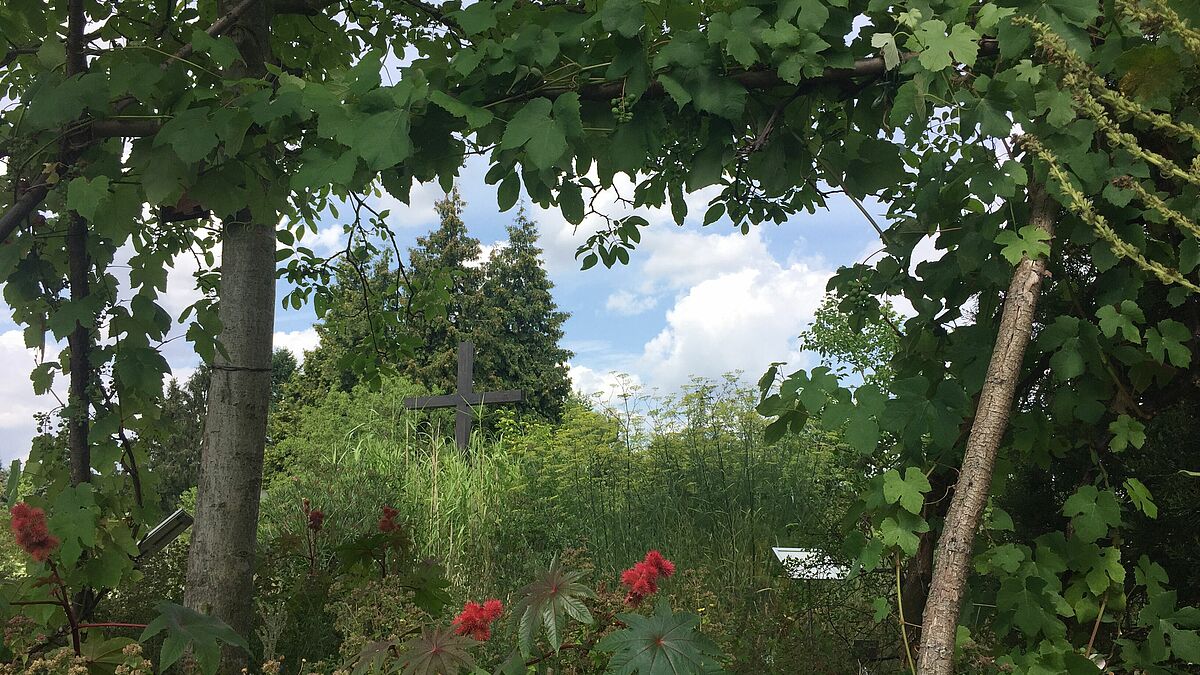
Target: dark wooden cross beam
466,398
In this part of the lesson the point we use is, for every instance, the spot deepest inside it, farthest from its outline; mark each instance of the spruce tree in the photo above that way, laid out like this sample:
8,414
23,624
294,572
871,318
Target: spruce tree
450,254
521,326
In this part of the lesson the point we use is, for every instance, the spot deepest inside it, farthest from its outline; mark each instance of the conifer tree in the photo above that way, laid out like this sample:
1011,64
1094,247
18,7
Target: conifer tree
448,250
521,326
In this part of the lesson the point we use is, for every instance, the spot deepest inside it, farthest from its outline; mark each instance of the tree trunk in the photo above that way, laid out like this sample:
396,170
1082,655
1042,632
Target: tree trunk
79,266
220,574
953,557
80,344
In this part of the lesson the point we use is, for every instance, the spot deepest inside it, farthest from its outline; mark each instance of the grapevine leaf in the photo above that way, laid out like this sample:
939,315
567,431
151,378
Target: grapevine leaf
623,16
1167,342
902,531
886,43
73,520
533,129
1092,512
1126,432
1028,242
940,50
85,196
382,139
1121,318
908,491
1140,495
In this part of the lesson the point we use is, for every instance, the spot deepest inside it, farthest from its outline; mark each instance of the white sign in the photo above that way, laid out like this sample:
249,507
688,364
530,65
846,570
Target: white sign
809,563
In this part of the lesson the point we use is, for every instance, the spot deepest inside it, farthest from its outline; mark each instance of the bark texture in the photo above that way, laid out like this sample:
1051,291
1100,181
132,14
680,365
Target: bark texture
80,343
952,559
220,574
79,265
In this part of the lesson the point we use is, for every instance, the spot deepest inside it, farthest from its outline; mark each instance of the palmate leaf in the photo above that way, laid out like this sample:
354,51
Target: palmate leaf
663,644
548,602
437,651
364,550
188,628
104,655
378,656
428,583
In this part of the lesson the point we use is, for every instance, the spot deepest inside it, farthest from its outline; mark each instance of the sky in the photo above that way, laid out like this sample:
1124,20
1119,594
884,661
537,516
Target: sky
694,300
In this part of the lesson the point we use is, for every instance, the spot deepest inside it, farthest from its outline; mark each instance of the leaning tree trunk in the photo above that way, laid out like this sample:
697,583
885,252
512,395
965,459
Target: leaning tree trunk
220,574
953,556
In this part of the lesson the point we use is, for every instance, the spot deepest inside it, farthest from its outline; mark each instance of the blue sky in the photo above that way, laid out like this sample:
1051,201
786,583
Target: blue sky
693,301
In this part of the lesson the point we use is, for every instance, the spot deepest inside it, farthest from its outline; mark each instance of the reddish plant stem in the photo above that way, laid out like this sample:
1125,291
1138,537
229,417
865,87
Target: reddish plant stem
65,602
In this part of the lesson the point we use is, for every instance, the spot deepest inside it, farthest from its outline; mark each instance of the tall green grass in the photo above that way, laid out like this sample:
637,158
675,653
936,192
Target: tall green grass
688,475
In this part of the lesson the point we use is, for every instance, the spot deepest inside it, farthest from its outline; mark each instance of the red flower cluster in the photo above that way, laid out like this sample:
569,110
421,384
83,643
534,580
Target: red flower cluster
642,578
316,518
29,529
476,619
388,522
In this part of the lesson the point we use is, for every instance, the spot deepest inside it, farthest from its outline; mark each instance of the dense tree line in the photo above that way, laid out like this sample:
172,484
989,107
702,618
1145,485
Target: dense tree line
502,302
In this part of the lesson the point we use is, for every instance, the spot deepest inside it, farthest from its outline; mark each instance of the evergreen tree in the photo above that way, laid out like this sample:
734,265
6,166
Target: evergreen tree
520,325
448,253
174,446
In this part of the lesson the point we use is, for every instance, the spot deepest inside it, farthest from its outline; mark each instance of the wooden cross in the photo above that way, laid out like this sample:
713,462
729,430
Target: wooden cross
466,398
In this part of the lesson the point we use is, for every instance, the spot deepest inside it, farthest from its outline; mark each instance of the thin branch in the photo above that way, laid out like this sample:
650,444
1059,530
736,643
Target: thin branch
218,27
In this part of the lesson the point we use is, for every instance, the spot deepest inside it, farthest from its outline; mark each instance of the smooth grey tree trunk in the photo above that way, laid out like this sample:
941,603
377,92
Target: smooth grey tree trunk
220,574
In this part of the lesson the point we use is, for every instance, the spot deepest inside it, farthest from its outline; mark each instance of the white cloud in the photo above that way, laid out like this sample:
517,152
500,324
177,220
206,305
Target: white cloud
16,392
591,382
417,212
297,341
730,304
629,304
737,321
326,240
486,251
681,259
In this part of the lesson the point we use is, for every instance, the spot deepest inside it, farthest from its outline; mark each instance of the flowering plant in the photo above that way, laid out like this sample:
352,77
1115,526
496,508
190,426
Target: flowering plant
664,642
50,586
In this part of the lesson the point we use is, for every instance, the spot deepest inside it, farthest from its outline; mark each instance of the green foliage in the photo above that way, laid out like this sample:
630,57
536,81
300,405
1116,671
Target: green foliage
665,642
1113,141
548,602
1028,242
862,338
188,629
436,650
